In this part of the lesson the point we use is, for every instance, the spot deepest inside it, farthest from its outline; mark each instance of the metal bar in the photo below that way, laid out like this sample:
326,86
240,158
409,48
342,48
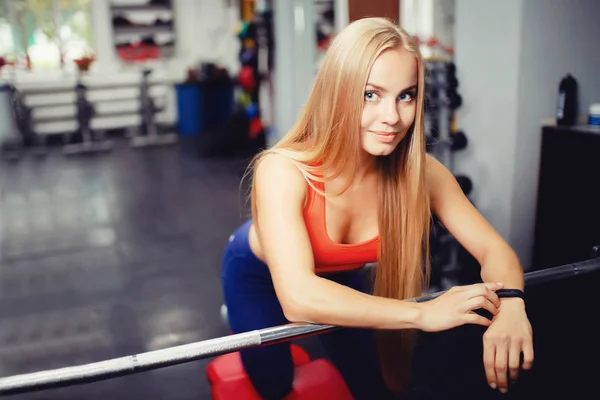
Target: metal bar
210,348
296,330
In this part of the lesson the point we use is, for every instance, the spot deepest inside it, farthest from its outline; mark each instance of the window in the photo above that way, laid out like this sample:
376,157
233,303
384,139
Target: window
6,41
45,34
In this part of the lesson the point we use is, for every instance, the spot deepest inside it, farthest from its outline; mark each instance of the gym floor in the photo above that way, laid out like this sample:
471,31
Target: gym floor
114,254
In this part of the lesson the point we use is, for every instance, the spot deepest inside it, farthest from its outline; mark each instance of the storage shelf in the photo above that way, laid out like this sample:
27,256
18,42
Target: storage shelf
143,7
143,29
134,21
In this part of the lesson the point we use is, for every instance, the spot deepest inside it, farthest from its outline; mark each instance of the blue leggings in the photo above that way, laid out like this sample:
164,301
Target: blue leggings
252,304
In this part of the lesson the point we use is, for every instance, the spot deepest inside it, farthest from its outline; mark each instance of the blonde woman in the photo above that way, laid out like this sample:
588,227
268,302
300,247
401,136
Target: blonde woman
351,184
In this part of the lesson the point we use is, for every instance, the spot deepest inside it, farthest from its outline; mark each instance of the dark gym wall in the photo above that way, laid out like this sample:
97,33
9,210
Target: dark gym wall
358,9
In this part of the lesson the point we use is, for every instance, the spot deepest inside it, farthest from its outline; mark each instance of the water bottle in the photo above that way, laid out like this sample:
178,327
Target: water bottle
566,111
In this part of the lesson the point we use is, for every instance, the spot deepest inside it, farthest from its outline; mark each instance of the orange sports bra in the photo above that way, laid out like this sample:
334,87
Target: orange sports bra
330,256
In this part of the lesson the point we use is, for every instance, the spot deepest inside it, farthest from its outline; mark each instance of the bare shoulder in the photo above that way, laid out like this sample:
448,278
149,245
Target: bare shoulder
434,167
437,174
433,163
278,176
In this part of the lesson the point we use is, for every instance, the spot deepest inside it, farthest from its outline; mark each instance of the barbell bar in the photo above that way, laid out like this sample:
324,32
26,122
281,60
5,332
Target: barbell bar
162,358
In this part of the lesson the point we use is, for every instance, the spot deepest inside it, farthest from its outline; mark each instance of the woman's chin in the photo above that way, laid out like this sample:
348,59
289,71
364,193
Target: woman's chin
380,149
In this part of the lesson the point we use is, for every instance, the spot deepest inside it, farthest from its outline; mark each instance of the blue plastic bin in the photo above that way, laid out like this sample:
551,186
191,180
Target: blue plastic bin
190,106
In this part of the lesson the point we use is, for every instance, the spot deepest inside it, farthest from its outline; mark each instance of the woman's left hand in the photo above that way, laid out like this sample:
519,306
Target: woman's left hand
508,336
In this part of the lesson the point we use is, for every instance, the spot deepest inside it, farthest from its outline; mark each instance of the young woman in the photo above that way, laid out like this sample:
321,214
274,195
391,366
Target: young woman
351,184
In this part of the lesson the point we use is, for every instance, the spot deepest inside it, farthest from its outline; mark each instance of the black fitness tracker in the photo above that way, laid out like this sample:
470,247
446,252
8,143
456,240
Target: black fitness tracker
504,293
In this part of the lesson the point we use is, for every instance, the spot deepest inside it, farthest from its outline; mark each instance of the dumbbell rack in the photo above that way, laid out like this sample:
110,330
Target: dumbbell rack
441,101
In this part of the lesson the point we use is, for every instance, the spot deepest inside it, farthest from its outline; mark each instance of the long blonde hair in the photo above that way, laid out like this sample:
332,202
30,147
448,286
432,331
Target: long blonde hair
325,138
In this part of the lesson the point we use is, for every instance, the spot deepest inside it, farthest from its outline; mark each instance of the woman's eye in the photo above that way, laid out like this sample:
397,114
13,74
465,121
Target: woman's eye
407,96
370,96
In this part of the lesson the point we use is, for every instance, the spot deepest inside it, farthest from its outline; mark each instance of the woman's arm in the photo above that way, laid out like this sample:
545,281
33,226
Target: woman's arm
510,334
305,297
499,262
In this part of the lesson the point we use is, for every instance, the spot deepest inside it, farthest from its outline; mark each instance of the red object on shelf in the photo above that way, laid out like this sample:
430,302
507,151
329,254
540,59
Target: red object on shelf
84,63
256,127
246,78
432,42
137,52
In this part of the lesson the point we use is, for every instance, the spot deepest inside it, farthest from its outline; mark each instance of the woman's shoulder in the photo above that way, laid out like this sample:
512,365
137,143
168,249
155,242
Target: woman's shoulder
277,171
434,168
437,176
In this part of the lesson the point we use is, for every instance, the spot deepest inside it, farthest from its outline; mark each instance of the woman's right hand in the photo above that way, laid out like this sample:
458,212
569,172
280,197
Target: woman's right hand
455,307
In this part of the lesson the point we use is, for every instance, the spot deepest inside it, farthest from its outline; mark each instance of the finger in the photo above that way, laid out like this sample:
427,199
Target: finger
472,318
527,348
502,365
494,285
481,302
489,363
480,286
482,290
493,297
514,360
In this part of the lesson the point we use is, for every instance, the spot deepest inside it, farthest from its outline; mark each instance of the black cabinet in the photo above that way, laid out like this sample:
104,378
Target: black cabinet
568,203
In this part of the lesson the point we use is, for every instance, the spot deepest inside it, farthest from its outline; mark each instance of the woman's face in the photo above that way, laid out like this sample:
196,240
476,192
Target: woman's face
390,102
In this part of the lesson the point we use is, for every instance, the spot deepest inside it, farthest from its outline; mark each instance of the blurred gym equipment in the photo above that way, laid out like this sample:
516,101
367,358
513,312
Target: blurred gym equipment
85,140
149,132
